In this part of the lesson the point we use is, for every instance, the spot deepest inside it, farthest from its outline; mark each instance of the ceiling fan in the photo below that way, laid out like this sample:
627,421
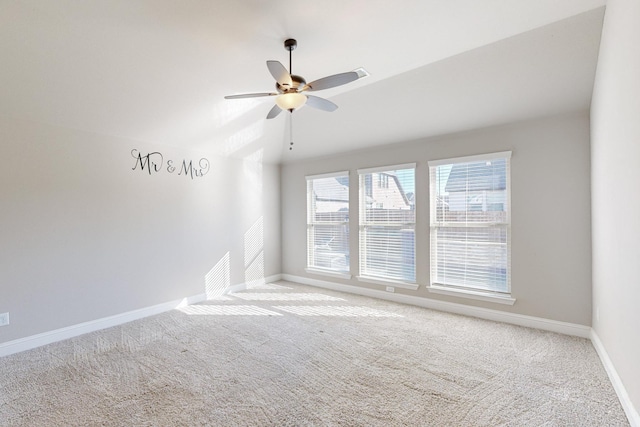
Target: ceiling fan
291,88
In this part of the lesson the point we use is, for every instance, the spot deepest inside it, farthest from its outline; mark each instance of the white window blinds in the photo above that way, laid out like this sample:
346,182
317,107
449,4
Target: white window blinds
470,222
328,222
387,223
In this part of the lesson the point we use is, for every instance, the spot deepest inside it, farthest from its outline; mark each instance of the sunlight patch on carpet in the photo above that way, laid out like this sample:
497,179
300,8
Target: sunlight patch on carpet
268,286
227,310
282,296
329,310
220,298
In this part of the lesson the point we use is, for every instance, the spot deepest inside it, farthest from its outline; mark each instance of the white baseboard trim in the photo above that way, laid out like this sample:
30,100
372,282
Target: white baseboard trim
274,278
483,313
38,340
49,337
244,286
621,391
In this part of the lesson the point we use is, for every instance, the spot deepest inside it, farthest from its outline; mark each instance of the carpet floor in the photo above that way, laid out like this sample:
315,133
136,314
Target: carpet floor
290,355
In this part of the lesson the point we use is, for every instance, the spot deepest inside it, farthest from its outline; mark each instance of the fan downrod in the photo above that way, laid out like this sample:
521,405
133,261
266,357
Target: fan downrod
290,44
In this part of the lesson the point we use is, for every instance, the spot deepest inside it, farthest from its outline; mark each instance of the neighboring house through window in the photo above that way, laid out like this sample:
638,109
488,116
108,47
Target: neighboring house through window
387,223
471,223
328,222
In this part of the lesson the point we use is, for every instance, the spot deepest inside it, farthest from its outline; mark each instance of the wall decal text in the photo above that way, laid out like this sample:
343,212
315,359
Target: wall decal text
154,162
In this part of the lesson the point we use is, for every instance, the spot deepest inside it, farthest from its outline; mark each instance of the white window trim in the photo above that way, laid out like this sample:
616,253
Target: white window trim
499,298
477,294
468,159
381,280
388,282
316,270
330,273
386,168
327,175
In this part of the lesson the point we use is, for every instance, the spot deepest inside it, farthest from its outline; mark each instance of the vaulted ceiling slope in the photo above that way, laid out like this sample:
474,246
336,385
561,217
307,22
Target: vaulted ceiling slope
157,70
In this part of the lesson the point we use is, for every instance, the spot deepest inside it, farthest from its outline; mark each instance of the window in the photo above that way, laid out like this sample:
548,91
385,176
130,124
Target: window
387,223
470,223
328,222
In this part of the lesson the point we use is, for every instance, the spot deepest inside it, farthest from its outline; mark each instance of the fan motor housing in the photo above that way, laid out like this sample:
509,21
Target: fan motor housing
298,83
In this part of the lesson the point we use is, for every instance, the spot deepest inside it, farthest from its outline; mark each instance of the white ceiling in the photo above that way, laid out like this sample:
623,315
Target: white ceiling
157,70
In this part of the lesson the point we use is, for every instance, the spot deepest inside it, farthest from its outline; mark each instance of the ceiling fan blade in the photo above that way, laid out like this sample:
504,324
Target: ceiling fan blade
280,73
321,103
274,112
249,95
332,81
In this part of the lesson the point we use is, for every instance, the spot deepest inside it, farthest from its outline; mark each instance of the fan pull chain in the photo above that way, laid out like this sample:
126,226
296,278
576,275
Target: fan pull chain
291,130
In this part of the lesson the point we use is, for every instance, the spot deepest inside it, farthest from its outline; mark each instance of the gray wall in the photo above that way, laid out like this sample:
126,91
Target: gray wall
83,236
551,237
615,145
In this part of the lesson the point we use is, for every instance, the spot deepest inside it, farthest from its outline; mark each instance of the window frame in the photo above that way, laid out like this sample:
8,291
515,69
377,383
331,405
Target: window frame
311,223
364,225
461,289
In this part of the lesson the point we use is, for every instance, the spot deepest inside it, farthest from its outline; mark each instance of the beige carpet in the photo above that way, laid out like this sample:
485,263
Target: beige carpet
291,355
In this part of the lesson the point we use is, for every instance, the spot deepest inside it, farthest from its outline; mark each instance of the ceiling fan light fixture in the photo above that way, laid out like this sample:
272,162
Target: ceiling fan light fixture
291,88
291,101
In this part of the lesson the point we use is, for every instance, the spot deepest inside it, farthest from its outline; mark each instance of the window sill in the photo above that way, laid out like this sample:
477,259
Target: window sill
330,273
383,282
477,295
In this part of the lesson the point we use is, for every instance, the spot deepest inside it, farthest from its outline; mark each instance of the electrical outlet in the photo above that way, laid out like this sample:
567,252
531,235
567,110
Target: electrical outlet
4,319
391,289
